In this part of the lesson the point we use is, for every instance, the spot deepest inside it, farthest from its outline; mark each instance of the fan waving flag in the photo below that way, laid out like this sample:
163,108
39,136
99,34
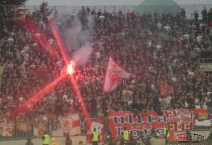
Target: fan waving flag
114,74
165,89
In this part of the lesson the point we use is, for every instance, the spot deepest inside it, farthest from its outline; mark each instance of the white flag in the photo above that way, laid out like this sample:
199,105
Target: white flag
114,75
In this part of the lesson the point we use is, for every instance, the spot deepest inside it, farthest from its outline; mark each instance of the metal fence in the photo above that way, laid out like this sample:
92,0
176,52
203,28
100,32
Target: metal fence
23,135
190,9
17,134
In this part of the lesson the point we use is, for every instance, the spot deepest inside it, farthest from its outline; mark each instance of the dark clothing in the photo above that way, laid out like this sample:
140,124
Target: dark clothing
196,15
132,142
204,15
94,142
152,131
111,138
136,112
166,137
68,142
135,106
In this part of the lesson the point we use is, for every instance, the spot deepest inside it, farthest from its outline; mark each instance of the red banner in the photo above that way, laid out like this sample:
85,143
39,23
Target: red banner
40,125
97,123
135,125
179,120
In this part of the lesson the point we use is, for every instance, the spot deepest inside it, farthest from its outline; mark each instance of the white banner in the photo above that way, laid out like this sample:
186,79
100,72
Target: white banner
69,124
126,95
6,129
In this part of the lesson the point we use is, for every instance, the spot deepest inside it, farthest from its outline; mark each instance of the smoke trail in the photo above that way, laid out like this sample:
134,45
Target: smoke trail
79,36
81,56
80,31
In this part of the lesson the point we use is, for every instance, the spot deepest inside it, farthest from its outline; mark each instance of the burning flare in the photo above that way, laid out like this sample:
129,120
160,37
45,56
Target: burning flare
70,68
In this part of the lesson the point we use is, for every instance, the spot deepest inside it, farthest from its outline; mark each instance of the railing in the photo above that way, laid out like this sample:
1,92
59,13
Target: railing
17,134
202,128
190,9
205,60
23,135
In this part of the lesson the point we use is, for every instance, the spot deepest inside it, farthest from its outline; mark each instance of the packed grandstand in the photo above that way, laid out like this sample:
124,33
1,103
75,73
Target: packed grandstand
161,50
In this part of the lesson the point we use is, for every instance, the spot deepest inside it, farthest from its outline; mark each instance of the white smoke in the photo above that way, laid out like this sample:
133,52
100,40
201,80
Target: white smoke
79,37
81,56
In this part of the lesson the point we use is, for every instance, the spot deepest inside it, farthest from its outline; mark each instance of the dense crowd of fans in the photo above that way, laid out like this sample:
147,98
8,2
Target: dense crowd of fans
154,47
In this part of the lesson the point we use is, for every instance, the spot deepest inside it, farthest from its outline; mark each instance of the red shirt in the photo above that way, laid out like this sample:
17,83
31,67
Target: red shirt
128,14
138,25
211,24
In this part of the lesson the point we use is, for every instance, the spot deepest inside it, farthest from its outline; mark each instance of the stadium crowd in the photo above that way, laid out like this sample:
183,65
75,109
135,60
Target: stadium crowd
154,47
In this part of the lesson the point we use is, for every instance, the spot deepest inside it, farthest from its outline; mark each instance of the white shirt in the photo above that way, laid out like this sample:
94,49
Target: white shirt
159,25
51,41
186,104
65,97
59,63
174,79
199,38
149,43
190,73
196,100
197,49
153,87
10,39
9,97
197,106
21,98
167,28
98,54
37,34
130,102
186,36
71,101
208,93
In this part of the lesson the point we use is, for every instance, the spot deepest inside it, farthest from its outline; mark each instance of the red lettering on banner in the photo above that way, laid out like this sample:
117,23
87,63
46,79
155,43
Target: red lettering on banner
179,120
135,125
187,126
172,126
170,113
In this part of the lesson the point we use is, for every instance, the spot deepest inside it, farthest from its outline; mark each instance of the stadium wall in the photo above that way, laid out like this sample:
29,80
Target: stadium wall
76,139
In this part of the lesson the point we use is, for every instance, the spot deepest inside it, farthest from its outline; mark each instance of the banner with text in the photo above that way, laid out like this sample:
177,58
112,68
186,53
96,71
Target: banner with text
97,123
135,125
179,120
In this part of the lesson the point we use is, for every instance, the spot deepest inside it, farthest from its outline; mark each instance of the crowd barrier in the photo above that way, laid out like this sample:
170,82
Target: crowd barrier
74,124
190,9
68,124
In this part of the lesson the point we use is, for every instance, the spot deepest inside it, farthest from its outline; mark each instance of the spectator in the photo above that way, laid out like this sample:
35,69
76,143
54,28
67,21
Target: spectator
204,15
196,16
164,48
